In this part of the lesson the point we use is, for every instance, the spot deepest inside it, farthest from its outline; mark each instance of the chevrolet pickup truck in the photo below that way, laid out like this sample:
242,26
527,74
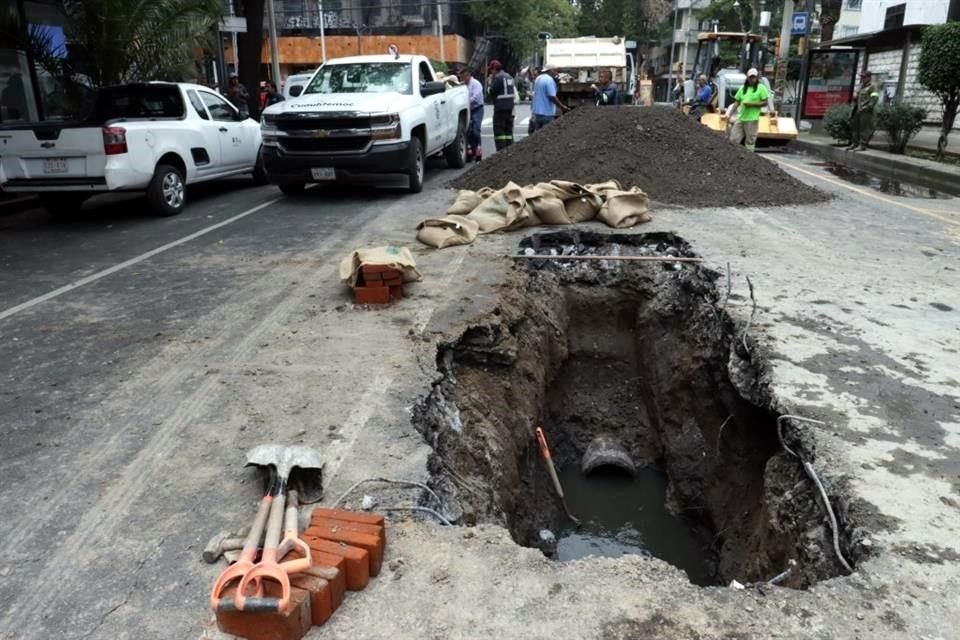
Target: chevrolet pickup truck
365,115
155,137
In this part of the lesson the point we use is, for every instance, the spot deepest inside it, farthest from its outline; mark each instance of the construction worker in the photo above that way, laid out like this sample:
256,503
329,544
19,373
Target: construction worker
749,101
861,120
503,91
606,94
545,100
475,93
704,94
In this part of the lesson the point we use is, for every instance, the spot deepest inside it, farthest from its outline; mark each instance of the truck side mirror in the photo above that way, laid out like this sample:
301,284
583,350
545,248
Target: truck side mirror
432,88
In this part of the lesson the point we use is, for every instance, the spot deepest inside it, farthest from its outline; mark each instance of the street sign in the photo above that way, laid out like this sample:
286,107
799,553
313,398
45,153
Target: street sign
801,23
630,44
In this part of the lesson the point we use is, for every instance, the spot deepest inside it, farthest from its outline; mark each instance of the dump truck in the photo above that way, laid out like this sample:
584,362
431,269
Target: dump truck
775,130
580,61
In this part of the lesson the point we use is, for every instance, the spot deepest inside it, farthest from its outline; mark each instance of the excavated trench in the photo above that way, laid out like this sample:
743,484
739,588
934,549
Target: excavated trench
655,409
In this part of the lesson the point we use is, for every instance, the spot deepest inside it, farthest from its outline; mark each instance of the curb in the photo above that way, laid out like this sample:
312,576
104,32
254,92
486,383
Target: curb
925,173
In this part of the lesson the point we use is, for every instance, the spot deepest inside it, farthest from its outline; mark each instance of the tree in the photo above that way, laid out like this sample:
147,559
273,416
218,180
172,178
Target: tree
133,40
829,16
628,18
744,17
516,24
939,61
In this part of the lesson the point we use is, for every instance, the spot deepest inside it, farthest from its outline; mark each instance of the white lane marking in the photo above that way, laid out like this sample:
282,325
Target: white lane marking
486,122
93,277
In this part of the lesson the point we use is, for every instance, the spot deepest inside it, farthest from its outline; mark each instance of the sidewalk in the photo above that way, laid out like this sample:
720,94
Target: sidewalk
876,160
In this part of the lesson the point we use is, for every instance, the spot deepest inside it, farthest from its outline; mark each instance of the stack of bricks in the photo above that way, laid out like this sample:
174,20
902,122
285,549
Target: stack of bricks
346,549
378,284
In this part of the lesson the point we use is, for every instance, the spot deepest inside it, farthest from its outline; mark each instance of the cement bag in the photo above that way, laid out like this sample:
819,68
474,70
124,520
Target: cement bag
447,232
548,209
579,204
398,258
624,209
602,188
467,201
505,209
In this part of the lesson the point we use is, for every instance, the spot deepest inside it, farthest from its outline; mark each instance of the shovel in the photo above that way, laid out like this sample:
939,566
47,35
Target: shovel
545,452
284,460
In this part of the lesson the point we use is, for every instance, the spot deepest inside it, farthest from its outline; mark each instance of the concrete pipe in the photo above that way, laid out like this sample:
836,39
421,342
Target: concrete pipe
605,451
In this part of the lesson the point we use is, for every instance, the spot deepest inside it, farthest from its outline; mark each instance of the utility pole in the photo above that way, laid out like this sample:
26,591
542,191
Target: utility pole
443,54
274,56
780,79
323,39
673,47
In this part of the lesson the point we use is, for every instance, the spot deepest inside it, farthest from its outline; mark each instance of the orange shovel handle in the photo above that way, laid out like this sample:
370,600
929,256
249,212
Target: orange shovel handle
542,442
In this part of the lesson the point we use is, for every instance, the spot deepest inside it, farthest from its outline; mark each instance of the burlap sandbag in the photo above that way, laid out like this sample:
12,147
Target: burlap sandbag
505,209
624,209
398,258
447,232
467,201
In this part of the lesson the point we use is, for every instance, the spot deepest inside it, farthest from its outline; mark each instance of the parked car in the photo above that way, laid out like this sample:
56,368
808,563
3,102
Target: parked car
155,137
294,84
365,114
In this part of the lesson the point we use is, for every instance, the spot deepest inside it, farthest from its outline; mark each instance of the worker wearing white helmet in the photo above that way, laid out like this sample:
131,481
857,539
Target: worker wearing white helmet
749,101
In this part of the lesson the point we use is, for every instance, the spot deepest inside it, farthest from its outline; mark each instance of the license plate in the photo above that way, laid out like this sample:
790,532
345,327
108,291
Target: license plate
323,173
55,165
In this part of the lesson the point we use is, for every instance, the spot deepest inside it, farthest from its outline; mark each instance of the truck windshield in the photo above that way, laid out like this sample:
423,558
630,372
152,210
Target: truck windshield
363,77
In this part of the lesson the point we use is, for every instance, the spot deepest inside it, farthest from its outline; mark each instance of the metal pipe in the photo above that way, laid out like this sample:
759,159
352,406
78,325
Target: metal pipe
323,38
443,54
621,258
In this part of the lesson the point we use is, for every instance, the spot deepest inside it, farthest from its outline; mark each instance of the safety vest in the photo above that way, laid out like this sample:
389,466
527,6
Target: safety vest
503,91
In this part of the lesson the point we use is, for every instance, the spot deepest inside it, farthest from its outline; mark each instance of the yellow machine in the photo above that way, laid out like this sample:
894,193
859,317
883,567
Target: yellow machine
775,130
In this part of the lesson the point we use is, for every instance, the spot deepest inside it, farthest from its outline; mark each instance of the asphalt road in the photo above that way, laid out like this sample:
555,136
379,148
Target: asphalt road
129,341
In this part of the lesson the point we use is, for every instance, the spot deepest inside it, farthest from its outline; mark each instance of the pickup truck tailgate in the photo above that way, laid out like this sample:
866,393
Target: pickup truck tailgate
52,155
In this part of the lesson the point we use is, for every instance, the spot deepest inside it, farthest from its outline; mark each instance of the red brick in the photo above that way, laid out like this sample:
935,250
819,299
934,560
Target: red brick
333,569
360,517
376,268
368,537
371,295
396,292
321,596
392,281
290,624
356,560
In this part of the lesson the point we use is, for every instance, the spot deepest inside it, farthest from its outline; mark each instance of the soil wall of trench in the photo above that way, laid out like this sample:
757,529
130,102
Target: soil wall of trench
643,353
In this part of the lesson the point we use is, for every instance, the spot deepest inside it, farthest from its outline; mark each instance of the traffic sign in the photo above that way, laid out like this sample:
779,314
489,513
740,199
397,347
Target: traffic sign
801,23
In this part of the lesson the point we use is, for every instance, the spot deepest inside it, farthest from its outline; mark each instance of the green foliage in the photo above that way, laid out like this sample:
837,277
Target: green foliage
627,18
939,64
516,24
127,40
744,18
901,122
837,122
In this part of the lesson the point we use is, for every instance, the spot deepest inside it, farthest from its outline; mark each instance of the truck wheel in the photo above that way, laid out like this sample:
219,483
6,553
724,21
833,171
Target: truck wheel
415,166
167,193
62,204
456,153
292,188
260,176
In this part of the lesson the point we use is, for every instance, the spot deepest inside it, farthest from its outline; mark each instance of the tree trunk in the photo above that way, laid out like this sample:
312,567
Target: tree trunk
949,116
250,45
829,15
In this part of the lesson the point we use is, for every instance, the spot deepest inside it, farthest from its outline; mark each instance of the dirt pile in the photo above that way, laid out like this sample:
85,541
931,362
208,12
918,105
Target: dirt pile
670,156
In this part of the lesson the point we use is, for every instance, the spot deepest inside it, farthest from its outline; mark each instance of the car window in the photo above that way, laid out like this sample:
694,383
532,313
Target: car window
140,101
362,77
219,108
197,104
426,74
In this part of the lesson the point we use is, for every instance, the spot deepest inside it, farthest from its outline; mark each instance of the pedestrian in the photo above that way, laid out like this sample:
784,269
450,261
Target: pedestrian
475,93
749,100
861,120
606,94
545,100
237,94
273,96
504,93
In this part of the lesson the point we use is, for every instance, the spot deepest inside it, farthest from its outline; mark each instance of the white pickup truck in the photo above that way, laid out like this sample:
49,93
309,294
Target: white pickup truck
365,114
156,137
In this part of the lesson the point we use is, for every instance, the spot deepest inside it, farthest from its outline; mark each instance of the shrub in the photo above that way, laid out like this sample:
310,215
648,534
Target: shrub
901,122
837,122
939,61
